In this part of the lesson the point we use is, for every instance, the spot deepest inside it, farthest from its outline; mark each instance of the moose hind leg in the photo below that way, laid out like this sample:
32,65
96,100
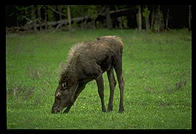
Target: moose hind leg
118,69
100,86
112,83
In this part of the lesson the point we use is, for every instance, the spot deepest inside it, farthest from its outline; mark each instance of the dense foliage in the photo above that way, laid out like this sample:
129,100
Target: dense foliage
154,17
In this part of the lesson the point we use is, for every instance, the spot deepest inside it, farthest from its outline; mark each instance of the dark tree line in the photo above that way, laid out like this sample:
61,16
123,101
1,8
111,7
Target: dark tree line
149,17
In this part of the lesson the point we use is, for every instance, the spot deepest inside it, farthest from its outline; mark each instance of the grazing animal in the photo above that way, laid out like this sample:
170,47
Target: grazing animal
87,62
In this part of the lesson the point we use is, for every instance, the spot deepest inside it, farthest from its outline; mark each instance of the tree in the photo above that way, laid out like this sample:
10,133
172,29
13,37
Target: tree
158,22
34,17
190,17
46,17
146,14
139,18
69,16
92,12
152,18
167,19
108,18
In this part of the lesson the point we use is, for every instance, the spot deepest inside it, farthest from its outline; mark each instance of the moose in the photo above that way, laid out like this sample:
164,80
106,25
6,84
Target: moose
87,61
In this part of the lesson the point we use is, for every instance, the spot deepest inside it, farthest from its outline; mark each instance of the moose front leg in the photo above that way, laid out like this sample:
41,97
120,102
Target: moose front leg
77,92
100,86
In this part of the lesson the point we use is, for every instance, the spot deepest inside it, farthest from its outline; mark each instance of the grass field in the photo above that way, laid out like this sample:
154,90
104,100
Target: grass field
157,69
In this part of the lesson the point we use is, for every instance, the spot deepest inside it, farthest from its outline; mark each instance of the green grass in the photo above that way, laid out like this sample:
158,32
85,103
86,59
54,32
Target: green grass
156,67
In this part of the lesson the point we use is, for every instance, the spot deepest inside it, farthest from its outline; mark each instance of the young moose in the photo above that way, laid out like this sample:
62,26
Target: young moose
86,62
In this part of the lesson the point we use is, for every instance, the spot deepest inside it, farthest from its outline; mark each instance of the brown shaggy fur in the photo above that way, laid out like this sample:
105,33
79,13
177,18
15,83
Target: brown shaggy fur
88,61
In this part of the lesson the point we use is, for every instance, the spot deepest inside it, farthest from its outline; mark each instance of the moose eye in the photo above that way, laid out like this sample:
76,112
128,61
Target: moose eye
64,85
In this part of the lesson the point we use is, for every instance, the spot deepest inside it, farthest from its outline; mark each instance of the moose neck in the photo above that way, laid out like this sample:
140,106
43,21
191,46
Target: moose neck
70,72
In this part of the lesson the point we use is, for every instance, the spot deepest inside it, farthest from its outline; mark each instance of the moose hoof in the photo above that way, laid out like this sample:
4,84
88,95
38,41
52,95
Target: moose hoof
66,111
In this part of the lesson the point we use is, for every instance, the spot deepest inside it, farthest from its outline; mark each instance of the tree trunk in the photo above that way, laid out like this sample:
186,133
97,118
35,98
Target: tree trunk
57,16
190,17
46,17
26,14
69,17
139,18
158,18
33,11
60,17
147,23
120,22
39,13
82,23
152,19
146,14
108,18
167,19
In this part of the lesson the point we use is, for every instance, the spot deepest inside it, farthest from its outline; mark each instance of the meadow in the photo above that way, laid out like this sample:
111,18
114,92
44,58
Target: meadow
157,70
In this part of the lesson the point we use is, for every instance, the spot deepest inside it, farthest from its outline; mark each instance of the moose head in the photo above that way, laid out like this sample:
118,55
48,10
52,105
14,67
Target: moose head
65,92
